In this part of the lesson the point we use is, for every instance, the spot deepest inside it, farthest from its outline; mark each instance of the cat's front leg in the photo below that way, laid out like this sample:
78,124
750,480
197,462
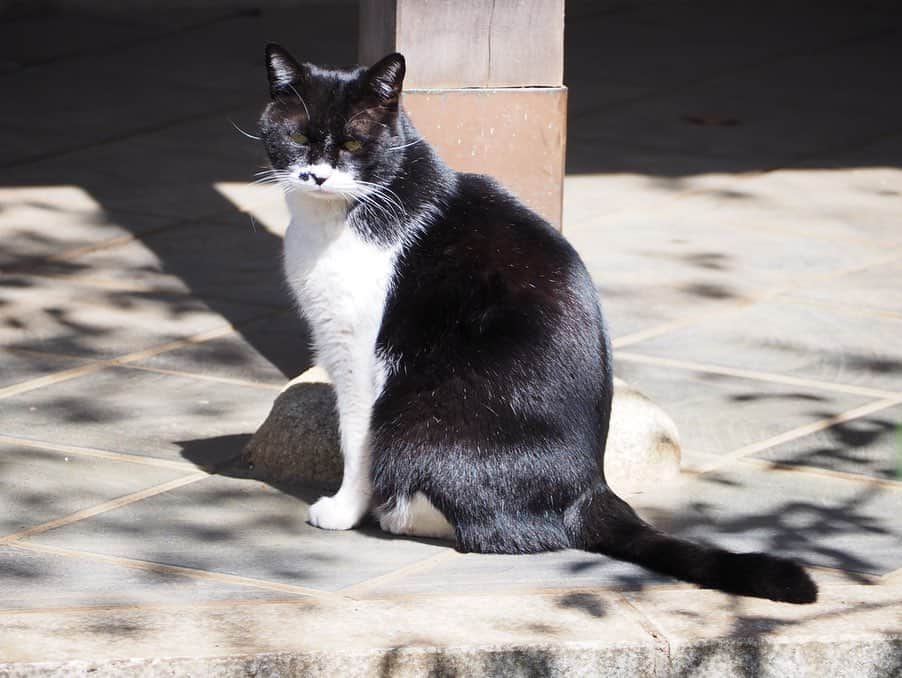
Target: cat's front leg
345,508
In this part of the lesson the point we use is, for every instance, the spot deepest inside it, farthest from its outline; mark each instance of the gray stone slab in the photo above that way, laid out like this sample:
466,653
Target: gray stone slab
168,183
269,352
818,93
139,412
871,446
844,524
242,527
509,636
46,221
43,39
59,316
16,367
76,90
705,253
856,204
41,485
474,573
851,632
227,259
716,414
876,289
234,46
798,340
670,265
31,580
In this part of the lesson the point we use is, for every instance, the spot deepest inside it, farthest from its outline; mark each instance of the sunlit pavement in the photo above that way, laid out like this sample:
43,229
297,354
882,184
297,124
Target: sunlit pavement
735,187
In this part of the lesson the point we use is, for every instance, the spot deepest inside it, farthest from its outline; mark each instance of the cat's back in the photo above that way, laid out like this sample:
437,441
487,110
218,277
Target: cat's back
485,245
491,275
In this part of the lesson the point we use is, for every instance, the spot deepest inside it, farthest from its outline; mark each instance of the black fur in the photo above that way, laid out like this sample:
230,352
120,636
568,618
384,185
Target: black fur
497,403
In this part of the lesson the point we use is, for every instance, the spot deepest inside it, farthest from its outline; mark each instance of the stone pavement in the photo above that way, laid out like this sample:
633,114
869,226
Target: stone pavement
735,186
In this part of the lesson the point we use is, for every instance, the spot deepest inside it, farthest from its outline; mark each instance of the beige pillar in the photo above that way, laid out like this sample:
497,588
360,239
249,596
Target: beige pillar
484,85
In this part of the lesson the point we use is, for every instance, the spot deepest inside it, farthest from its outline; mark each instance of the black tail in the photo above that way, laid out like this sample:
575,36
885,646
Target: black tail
608,525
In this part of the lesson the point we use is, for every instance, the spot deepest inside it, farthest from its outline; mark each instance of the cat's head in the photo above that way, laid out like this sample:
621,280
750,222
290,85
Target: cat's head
333,133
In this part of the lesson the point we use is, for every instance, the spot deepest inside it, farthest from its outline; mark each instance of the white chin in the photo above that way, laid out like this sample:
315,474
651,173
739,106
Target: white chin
322,195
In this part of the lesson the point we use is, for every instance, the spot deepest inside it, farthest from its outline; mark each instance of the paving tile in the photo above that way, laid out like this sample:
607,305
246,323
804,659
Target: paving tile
44,221
473,573
75,90
875,289
226,259
857,202
269,352
16,367
716,414
246,528
665,47
168,183
871,446
685,261
142,413
31,580
688,246
57,316
785,109
793,339
36,40
40,485
851,632
233,47
838,523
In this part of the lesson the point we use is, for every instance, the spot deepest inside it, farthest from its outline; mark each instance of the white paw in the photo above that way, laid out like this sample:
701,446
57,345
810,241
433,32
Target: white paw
335,513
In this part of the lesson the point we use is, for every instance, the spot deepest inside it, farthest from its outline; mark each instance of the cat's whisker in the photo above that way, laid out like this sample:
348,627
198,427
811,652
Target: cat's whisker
399,148
386,194
377,207
247,134
301,99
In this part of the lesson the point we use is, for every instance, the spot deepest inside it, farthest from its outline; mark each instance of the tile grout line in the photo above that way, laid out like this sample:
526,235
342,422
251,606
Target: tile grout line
116,607
780,467
865,311
786,288
83,370
96,453
663,661
418,567
211,377
755,375
162,568
666,328
110,505
799,432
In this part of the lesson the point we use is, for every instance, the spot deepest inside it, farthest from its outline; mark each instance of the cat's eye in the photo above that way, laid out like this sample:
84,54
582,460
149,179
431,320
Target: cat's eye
352,145
299,138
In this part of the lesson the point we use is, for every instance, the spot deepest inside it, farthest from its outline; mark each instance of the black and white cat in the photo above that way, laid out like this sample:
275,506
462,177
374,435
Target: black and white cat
464,338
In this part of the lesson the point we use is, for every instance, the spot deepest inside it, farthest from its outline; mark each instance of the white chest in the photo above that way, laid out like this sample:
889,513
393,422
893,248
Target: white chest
340,282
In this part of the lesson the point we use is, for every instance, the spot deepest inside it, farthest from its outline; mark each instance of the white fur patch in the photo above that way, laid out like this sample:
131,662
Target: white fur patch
417,517
341,282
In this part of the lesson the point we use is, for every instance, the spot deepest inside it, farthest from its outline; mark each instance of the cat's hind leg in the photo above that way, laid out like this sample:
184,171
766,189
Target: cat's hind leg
415,516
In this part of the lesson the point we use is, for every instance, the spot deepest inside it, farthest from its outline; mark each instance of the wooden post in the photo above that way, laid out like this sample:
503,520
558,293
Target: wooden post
484,85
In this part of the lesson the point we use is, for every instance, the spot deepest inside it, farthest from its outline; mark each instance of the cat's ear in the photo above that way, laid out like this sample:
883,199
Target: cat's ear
386,78
283,70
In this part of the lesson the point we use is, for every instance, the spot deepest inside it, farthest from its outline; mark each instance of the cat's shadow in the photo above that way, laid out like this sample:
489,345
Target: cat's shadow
224,456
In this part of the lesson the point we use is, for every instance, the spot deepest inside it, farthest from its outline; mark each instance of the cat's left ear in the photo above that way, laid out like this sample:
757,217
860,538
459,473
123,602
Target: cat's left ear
283,70
386,78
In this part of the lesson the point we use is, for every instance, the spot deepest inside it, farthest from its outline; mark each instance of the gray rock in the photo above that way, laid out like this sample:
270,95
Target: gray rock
298,442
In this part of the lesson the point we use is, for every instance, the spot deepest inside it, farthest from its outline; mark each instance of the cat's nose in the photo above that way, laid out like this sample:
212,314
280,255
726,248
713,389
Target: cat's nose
319,180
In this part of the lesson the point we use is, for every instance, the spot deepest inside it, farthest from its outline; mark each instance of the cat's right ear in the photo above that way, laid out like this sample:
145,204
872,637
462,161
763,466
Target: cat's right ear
283,70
